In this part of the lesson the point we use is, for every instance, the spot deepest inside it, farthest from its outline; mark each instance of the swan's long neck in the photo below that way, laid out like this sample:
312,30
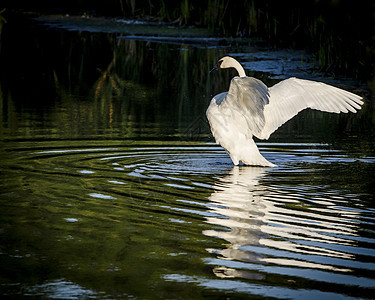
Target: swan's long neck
235,64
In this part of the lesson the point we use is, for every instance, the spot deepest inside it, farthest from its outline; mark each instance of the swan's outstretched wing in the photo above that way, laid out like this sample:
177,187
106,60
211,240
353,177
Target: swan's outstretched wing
292,95
248,96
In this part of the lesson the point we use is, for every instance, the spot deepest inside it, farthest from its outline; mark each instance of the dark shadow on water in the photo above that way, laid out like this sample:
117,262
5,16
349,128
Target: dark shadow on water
135,89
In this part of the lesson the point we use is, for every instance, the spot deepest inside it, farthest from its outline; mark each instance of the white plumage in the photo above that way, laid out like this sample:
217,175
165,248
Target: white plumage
250,108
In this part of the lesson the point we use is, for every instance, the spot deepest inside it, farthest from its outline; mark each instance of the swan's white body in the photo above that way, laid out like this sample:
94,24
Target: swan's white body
250,109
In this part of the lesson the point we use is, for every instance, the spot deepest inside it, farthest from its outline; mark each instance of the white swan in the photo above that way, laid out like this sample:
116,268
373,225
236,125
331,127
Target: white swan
250,109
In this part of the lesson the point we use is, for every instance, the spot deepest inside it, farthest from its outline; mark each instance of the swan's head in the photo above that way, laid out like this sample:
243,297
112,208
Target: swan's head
225,62
229,62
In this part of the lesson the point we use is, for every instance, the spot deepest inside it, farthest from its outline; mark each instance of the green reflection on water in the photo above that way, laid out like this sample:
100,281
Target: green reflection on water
124,87
59,222
81,85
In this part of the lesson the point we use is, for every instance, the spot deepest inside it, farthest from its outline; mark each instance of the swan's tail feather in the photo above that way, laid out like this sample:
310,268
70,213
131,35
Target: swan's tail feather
247,152
260,162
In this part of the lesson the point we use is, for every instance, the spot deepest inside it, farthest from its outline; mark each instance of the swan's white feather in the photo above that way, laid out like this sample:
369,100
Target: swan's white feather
235,116
250,109
248,96
290,96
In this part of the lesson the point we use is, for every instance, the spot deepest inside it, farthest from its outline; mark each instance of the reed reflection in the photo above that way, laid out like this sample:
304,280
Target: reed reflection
269,226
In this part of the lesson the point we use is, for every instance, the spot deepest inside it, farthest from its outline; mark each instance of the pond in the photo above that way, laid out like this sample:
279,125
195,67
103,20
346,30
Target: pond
112,185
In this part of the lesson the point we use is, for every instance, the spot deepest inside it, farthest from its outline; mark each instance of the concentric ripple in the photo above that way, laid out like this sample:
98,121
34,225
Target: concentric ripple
179,212
297,235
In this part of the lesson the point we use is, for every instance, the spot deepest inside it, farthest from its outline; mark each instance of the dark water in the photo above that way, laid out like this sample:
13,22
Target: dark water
112,187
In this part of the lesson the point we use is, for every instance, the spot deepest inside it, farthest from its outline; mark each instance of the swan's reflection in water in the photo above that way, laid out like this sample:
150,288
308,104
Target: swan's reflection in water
272,228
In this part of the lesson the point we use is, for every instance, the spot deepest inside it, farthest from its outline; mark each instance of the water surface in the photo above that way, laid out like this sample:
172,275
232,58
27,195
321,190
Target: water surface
112,186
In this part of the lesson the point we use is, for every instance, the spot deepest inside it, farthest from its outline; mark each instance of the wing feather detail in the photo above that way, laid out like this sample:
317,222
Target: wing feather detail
248,97
290,96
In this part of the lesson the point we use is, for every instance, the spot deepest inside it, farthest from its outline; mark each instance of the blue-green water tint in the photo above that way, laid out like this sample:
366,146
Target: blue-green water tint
111,186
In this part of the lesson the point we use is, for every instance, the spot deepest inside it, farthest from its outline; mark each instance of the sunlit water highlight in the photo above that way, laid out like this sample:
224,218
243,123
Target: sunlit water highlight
190,218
